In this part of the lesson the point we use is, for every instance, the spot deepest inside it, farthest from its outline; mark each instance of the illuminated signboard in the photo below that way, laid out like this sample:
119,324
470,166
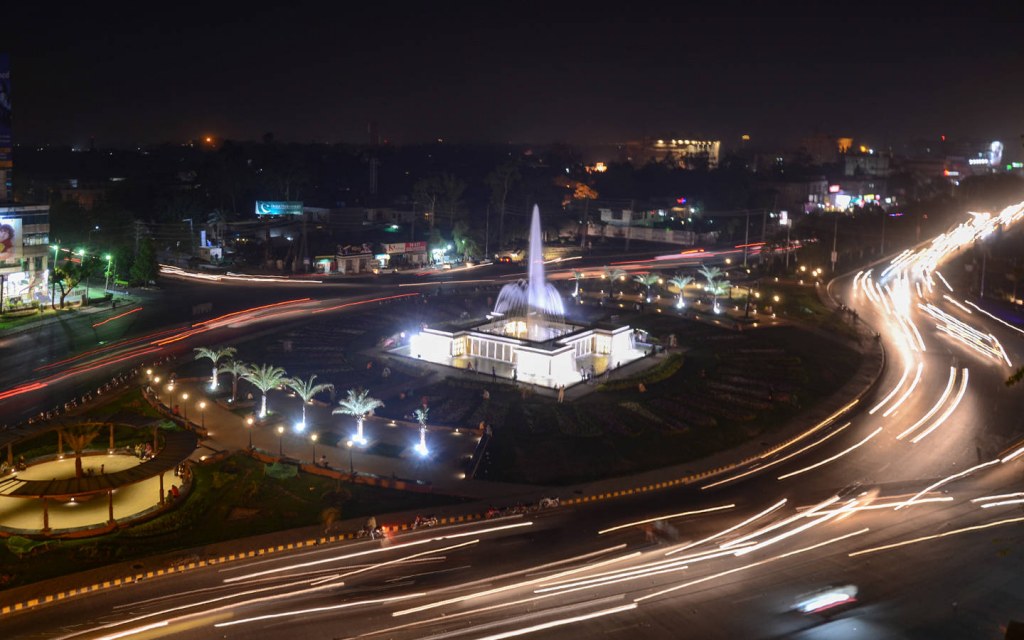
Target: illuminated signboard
833,188
278,208
977,161
10,239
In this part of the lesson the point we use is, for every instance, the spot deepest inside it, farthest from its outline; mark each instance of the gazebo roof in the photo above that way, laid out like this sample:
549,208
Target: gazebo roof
178,446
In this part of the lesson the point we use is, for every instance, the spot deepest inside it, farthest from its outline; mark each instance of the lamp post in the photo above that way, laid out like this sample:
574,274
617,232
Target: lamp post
351,466
314,437
81,254
156,388
184,402
170,389
202,414
280,441
248,427
106,279
53,279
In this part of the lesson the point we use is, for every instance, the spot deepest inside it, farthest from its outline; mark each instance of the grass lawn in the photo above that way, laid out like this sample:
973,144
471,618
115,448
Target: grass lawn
728,389
232,498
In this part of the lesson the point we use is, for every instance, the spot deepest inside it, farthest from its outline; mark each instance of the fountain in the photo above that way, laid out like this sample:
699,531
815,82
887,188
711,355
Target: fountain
526,337
532,309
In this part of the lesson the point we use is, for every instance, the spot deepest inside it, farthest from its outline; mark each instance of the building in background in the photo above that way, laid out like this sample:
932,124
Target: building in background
678,152
24,255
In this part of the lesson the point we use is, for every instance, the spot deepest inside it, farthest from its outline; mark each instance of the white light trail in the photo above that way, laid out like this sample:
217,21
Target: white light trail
667,517
560,623
832,458
957,304
751,565
1012,455
999,320
778,525
821,519
935,408
299,612
895,390
132,632
903,398
949,410
1002,503
939,273
947,480
954,532
774,507
1001,496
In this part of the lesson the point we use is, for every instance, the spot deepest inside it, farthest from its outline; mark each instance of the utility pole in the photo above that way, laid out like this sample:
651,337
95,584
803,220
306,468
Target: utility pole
835,235
789,225
487,233
746,237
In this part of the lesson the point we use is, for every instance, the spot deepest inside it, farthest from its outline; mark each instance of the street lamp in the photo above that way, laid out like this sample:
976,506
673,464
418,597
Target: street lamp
106,281
53,280
202,414
184,401
314,437
170,389
81,254
248,427
351,466
280,440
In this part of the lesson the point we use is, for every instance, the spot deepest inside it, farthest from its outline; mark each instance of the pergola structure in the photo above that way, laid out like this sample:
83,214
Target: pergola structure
177,447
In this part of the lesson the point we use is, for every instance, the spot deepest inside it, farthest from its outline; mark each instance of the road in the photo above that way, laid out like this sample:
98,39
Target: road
913,496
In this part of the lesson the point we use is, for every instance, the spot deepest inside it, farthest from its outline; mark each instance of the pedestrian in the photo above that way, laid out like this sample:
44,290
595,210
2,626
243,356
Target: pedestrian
103,469
494,373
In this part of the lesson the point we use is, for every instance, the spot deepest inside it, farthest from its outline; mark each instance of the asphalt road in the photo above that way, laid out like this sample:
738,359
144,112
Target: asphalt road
913,496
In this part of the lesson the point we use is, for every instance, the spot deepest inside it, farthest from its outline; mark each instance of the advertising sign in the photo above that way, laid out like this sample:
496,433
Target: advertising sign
405,247
6,143
10,239
278,208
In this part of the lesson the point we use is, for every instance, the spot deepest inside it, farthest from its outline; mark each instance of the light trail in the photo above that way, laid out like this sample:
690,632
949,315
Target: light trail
778,505
821,519
954,532
516,585
947,480
560,623
782,523
132,632
779,460
126,313
895,390
353,304
903,398
939,273
999,320
1002,503
948,412
935,407
832,458
670,516
752,565
299,612
957,304
1002,496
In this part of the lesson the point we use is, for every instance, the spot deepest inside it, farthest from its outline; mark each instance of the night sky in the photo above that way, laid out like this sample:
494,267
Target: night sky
519,72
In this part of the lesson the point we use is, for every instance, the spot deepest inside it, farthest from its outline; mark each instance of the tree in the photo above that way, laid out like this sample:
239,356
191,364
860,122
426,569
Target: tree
466,241
306,389
427,192
1017,376
578,276
715,286
421,417
144,267
451,192
236,368
78,437
501,181
264,378
214,356
646,280
70,274
613,274
358,404
681,282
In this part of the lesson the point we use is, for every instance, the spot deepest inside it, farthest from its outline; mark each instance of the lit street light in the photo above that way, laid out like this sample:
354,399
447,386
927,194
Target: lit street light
248,427
202,414
314,437
280,441
184,402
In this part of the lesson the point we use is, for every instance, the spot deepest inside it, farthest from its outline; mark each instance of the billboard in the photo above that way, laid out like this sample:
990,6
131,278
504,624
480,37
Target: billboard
10,239
6,144
278,208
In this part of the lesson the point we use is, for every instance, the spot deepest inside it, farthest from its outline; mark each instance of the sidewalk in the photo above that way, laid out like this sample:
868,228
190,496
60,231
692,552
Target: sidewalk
70,313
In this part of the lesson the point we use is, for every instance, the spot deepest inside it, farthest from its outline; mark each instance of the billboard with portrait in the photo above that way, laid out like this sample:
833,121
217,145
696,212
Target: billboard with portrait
278,208
10,239
6,144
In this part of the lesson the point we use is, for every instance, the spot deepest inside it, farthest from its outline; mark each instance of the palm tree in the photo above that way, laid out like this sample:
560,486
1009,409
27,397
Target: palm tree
214,356
358,404
78,437
236,368
578,275
711,275
612,274
646,280
264,378
421,417
681,282
306,389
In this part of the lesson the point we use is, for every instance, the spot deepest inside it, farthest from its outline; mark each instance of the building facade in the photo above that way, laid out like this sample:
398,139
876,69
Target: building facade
24,255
